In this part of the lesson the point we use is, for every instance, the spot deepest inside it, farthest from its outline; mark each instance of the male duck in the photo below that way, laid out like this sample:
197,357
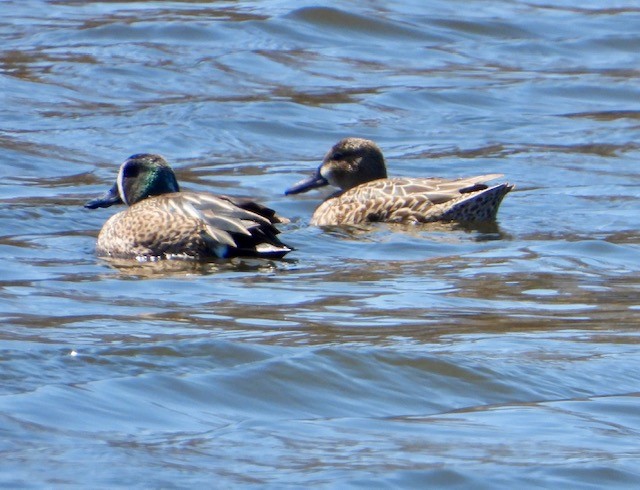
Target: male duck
162,222
356,166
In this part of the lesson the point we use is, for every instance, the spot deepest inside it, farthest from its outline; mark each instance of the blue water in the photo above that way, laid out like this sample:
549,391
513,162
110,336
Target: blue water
376,357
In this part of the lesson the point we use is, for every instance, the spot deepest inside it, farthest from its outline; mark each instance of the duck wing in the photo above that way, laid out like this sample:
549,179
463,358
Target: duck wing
228,229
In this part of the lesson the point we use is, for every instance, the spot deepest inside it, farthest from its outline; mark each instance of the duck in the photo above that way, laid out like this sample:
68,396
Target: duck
356,166
163,222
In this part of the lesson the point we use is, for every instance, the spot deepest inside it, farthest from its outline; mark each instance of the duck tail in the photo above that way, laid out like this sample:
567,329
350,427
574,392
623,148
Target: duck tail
481,205
262,243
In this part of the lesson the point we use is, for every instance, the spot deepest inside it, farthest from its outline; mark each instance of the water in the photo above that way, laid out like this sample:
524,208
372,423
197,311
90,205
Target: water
374,357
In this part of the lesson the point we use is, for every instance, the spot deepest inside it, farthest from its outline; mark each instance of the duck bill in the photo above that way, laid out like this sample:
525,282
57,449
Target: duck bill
307,184
109,198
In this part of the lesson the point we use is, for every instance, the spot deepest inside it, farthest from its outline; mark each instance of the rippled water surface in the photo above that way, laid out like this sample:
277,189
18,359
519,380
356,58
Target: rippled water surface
372,357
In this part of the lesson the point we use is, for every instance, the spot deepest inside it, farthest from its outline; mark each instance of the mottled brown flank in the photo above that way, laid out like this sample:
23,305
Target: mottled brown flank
190,225
413,200
148,229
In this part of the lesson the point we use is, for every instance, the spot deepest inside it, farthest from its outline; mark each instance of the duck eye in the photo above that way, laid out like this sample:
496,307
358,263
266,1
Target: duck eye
131,171
338,155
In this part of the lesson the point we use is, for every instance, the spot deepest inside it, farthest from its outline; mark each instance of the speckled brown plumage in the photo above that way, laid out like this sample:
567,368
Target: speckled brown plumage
399,200
357,167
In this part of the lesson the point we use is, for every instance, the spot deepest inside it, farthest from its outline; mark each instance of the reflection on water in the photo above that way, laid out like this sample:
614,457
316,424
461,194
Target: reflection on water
385,355
134,269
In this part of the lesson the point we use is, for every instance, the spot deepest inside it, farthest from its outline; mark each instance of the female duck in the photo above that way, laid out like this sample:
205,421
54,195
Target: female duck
356,166
162,222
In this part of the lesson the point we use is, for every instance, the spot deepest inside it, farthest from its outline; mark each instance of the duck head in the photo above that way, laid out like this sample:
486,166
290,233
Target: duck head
350,162
142,175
